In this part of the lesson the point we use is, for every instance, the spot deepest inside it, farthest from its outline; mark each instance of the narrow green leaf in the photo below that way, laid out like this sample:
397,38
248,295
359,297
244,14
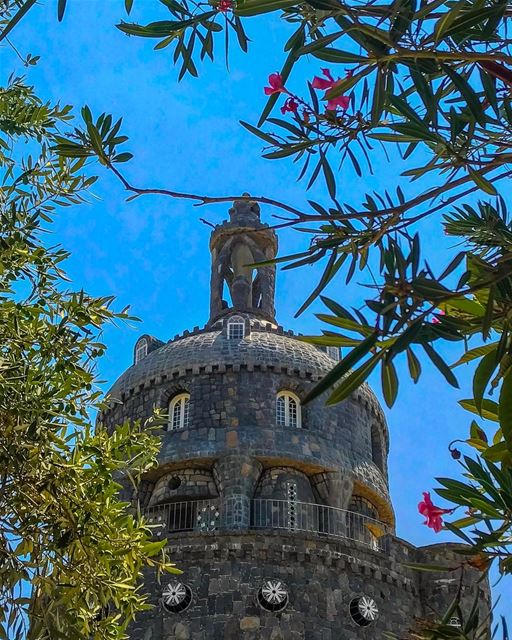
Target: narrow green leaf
319,43
441,365
482,183
331,340
446,20
330,180
489,409
505,409
342,367
406,338
497,452
477,352
261,134
429,567
354,380
337,56
334,264
247,8
389,380
468,93
483,374
414,365
61,7
345,323
336,308
405,109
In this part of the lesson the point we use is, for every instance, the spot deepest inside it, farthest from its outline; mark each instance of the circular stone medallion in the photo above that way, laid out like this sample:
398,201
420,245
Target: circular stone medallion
176,597
273,595
364,610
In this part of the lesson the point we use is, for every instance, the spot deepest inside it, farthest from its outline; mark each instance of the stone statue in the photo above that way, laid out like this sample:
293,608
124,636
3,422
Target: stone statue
237,247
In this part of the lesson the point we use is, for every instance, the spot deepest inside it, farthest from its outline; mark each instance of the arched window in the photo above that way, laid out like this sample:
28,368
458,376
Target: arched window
236,328
141,350
288,410
377,449
178,412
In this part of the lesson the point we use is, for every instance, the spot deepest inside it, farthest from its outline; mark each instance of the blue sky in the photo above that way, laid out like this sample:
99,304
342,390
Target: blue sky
152,253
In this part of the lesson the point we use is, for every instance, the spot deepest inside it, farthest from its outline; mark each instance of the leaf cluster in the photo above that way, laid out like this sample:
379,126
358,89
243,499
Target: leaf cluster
71,551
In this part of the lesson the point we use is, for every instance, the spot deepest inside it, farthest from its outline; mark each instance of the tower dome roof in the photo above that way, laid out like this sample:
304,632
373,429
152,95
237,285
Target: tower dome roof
212,347
265,346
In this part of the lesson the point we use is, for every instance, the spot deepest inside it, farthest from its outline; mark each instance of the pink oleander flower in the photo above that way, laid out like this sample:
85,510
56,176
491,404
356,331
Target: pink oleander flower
276,84
432,513
225,5
323,83
436,320
290,105
340,101
326,84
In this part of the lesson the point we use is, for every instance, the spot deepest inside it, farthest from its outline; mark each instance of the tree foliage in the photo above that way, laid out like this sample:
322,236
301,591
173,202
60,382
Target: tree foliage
71,552
428,83
433,77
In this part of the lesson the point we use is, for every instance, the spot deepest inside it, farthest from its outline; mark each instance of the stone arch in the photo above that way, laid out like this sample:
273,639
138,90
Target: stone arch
273,484
333,488
171,391
284,499
182,485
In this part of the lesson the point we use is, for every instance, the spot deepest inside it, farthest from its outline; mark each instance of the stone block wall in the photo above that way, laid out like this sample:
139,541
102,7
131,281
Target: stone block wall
233,412
225,572
438,590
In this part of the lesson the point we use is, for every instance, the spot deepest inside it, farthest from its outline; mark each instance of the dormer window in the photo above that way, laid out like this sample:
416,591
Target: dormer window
236,328
179,412
334,353
288,410
141,350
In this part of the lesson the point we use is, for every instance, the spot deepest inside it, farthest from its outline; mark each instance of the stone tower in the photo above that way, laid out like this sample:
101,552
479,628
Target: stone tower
278,514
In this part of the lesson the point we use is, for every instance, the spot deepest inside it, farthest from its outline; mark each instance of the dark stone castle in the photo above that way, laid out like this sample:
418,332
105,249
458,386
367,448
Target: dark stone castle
278,514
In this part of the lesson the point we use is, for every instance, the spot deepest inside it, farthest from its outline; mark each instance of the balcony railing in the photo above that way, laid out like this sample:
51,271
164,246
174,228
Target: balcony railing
292,516
193,515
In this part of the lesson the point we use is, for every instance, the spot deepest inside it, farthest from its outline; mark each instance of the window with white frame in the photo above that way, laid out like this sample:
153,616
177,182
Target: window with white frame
236,328
141,350
179,412
333,352
288,410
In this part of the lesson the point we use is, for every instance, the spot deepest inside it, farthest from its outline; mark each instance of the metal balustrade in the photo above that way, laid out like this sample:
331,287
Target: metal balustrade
319,519
193,515
288,515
